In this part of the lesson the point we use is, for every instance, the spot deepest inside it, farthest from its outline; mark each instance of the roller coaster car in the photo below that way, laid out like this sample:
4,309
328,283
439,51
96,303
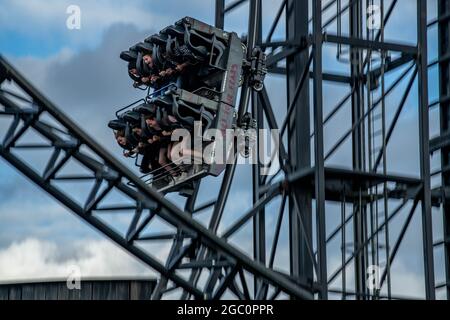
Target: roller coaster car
214,108
189,108
210,51
217,59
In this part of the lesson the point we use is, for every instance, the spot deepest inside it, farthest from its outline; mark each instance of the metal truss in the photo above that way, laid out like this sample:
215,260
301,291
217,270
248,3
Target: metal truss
29,110
367,187
442,142
304,183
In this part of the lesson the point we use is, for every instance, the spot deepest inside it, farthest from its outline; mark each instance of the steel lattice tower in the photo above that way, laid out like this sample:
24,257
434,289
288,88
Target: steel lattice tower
320,207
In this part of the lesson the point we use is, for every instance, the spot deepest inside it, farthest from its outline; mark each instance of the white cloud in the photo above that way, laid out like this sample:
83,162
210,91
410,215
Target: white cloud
37,259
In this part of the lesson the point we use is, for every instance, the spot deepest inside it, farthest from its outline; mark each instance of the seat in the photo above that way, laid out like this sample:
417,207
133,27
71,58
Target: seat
157,39
201,114
134,77
145,47
217,47
128,56
175,31
207,118
186,120
131,139
158,59
141,67
200,50
181,53
134,49
146,132
117,124
132,117
164,101
146,109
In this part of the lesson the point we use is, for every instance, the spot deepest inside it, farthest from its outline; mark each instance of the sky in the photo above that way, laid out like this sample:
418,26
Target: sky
80,71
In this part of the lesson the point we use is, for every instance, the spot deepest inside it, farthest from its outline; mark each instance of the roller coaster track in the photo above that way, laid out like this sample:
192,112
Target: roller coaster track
29,110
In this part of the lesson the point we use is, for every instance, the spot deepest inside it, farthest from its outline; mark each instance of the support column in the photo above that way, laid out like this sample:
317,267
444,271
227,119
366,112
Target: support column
319,162
220,14
444,92
422,65
299,142
356,60
259,222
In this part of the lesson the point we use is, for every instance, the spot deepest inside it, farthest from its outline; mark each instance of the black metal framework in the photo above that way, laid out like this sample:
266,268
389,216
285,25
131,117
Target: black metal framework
366,187
28,110
368,196
443,21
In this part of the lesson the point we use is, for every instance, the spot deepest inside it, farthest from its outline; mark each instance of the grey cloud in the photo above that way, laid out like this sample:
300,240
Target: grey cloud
91,85
37,259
